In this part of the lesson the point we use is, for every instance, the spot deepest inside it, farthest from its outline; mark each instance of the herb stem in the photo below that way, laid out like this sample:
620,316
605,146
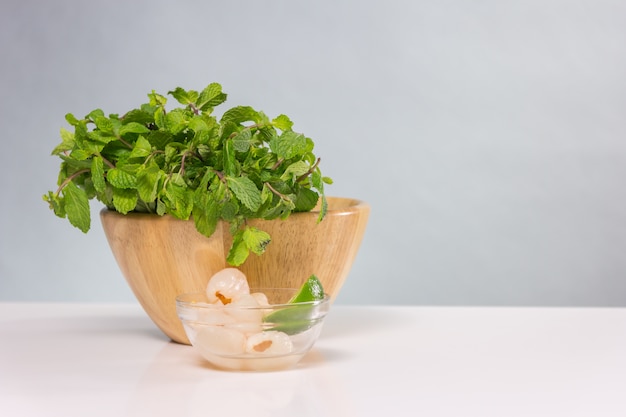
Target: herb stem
277,164
272,189
254,126
152,155
310,171
68,179
182,163
128,145
221,176
197,154
106,161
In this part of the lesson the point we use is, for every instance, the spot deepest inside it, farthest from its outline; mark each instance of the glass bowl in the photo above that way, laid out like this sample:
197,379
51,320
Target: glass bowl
264,334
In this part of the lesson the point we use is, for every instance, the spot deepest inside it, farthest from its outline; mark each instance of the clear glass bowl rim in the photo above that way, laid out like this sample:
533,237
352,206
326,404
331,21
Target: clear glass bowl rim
187,300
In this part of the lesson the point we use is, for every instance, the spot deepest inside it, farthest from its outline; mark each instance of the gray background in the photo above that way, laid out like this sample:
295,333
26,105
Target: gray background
488,136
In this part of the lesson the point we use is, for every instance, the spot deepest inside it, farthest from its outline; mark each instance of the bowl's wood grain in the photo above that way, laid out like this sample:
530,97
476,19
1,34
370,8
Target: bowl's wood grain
161,257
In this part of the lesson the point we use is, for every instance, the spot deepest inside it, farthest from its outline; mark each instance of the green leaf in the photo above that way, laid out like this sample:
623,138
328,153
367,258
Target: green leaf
205,221
178,179
240,114
256,240
57,205
246,191
157,99
148,181
172,152
97,174
80,131
206,212
241,141
139,116
67,142
289,144
198,124
161,208
124,200
97,138
211,96
209,174
230,163
267,133
80,154
121,179
159,139
227,130
239,251
184,97
317,180
306,199
67,136
323,209
229,210
133,127
77,206
295,170
74,163
283,123
159,119
71,119
280,208
176,121
141,148
179,200
94,114
266,194
104,124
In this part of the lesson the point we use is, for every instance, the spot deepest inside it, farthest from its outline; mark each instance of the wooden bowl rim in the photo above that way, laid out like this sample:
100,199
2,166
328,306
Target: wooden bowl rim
337,206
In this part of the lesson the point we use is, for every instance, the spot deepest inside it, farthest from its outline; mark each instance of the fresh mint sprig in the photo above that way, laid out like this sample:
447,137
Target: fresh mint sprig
186,163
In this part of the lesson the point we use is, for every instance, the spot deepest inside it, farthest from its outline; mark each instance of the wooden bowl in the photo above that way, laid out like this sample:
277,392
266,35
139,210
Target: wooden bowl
162,257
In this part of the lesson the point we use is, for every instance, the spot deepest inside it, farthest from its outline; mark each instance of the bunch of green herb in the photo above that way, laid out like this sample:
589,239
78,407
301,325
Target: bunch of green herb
186,163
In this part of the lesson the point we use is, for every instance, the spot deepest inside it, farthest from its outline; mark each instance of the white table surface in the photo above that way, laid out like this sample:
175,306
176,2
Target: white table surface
110,360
